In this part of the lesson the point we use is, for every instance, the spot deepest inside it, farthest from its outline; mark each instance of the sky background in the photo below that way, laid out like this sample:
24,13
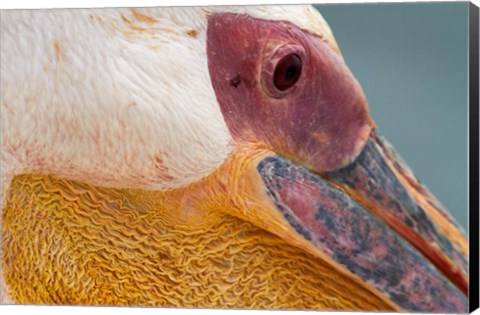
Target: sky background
412,62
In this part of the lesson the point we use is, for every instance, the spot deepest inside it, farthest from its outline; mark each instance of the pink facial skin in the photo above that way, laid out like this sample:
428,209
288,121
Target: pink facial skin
322,121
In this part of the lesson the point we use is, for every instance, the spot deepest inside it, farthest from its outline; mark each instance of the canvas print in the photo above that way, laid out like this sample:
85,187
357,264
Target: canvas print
210,157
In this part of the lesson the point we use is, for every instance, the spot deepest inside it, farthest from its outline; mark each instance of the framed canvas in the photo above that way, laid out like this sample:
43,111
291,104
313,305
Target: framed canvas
284,157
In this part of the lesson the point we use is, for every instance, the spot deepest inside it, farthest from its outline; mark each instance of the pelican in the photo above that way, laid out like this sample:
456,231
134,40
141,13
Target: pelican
207,157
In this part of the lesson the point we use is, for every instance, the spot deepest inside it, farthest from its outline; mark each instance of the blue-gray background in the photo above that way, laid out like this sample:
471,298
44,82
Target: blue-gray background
411,60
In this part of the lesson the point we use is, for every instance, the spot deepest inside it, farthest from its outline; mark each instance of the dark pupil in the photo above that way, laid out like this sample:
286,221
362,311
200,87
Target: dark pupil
290,73
287,72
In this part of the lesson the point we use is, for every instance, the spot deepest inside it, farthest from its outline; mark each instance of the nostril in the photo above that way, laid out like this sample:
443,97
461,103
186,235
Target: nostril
235,81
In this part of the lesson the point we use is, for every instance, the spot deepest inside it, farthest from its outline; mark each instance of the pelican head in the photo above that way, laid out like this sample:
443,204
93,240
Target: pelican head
201,117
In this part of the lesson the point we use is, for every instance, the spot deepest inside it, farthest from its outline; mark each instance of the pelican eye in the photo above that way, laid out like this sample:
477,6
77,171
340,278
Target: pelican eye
287,72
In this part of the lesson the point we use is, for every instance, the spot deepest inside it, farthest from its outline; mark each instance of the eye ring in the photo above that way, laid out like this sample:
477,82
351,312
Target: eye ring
283,69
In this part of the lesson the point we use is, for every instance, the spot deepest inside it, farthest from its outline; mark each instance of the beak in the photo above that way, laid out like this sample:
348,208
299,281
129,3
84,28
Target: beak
371,220
380,182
